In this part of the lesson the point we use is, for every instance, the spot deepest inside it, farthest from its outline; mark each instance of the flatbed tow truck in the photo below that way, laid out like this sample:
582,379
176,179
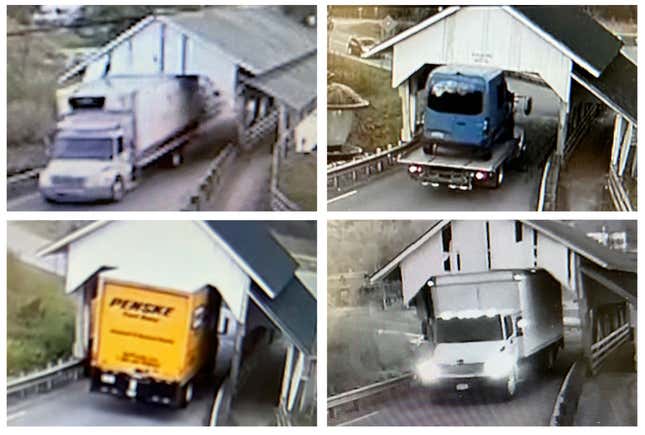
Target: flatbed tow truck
462,170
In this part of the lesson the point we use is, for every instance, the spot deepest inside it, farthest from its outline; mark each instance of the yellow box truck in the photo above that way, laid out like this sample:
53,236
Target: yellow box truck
149,343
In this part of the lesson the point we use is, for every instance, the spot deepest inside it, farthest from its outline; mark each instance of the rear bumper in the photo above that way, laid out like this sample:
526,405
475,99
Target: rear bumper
85,194
141,389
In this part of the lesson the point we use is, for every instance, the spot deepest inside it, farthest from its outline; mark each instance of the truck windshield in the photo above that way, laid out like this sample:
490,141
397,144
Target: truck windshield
450,96
457,330
97,149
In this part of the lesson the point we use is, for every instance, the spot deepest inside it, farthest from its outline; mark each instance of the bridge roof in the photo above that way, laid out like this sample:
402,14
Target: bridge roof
568,28
571,237
252,246
617,86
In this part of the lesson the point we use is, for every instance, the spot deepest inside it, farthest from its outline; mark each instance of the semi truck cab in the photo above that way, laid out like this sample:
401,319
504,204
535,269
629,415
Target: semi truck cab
90,159
467,107
474,349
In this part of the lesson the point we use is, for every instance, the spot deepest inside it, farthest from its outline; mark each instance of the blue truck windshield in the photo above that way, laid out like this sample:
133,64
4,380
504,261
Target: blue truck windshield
458,330
450,96
95,149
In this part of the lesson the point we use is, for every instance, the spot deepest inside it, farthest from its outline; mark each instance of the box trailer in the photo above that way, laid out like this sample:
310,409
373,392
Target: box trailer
484,326
110,128
149,343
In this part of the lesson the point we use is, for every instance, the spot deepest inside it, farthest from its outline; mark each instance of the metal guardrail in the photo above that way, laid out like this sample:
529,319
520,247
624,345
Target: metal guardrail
357,171
617,192
209,185
358,394
53,376
566,403
547,196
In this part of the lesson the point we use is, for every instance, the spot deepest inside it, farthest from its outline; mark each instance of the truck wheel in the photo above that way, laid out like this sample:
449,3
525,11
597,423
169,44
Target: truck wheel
499,177
510,386
549,358
185,394
118,190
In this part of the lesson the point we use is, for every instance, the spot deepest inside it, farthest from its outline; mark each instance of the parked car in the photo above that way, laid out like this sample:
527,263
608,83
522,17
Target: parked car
358,45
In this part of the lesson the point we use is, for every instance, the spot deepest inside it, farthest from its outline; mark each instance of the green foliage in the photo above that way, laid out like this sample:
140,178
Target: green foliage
380,123
40,318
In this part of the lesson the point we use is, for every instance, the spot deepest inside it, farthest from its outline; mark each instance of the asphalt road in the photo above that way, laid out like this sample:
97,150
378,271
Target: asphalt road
160,188
395,191
532,405
74,405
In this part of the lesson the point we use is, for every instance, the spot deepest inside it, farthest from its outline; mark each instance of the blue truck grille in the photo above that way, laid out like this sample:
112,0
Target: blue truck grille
66,181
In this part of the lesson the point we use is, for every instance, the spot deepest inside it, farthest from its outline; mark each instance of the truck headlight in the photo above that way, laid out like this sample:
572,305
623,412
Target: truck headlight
499,366
427,371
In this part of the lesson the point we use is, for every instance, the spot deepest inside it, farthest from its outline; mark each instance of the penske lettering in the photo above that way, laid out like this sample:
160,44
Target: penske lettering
141,307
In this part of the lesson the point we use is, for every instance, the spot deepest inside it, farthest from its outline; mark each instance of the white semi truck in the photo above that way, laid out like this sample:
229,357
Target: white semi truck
485,328
111,128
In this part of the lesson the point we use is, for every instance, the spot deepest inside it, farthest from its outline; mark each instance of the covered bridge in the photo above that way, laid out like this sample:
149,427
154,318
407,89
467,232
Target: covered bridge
602,280
578,58
259,59
256,277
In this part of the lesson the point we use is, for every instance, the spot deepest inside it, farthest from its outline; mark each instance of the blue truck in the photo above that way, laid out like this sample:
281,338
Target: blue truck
469,132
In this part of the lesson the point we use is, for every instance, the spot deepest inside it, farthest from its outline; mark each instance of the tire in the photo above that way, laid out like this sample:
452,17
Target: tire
430,149
509,388
499,177
185,395
550,356
118,190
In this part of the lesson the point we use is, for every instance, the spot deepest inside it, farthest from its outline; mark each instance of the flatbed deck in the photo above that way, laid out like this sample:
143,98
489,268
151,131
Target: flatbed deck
499,154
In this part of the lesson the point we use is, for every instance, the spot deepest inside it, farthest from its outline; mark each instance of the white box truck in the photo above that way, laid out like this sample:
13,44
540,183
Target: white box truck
111,128
485,326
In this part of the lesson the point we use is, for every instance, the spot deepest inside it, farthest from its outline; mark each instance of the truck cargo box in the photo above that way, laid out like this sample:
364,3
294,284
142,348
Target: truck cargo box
536,296
151,332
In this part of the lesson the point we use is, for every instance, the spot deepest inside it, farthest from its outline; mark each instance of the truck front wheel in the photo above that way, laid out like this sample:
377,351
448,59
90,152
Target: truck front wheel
118,190
499,177
510,386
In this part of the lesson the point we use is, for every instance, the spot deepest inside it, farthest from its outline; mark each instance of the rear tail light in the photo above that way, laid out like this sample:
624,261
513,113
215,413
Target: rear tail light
414,169
480,176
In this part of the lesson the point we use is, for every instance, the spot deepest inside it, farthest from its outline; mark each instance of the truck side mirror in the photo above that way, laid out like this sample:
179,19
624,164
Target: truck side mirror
519,326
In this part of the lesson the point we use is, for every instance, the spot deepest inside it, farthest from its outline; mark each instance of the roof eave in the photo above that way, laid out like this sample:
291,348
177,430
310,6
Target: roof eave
411,31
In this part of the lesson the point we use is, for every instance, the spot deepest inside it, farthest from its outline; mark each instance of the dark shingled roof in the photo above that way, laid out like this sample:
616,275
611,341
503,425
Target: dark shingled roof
618,83
253,242
577,30
585,246
293,311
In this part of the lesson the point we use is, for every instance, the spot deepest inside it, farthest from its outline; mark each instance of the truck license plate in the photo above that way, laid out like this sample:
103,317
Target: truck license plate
437,134
461,387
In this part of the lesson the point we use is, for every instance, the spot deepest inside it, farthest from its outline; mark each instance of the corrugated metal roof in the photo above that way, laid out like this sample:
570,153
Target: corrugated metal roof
260,38
617,86
293,311
293,84
577,30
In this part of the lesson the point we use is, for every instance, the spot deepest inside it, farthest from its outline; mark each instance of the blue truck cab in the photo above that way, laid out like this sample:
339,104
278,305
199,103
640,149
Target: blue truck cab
468,107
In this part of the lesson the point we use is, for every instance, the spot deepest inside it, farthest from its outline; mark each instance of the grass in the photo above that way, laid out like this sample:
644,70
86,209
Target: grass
380,123
297,179
40,318
358,355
